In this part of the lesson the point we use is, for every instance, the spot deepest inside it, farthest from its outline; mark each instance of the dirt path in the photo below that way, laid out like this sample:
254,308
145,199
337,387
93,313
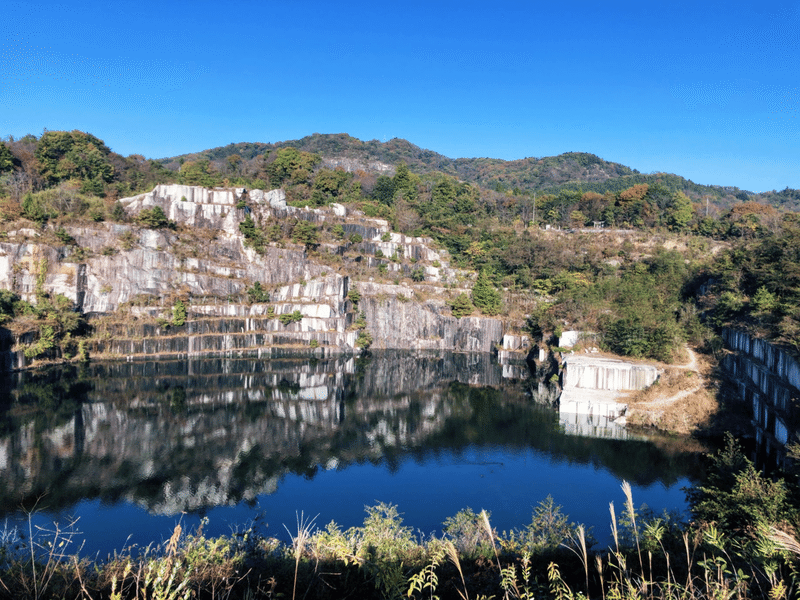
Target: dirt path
680,401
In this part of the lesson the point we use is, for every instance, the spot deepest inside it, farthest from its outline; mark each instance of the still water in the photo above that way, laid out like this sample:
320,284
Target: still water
132,448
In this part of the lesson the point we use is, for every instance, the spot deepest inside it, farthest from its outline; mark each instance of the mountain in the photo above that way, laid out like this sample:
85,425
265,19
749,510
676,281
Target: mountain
569,171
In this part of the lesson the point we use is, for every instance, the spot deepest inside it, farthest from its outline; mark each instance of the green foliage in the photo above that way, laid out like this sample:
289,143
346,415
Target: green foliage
738,497
291,166
764,301
45,343
383,536
549,529
179,313
355,238
364,339
305,232
198,172
257,294
468,534
252,235
64,155
679,213
461,306
154,218
292,317
353,295
64,237
729,305
7,301
6,159
485,296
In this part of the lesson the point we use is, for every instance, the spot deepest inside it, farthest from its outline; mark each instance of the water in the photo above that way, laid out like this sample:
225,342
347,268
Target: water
131,449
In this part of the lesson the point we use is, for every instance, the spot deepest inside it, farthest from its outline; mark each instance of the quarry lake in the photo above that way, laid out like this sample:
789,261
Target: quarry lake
132,448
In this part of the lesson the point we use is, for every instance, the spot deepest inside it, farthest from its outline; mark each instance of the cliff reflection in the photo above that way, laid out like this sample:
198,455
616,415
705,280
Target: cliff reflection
178,436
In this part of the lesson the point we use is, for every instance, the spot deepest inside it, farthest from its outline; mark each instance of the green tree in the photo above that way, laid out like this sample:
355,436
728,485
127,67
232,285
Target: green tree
461,306
197,173
291,165
74,154
679,213
257,293
738,497
764,301
154,218
485,296
384,189
6,159
179,313
305,232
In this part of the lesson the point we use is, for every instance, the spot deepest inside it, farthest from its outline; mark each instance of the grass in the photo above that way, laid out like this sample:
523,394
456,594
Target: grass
651,558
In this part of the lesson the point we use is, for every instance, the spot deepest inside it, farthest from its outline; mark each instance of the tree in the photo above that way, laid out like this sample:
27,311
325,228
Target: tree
154,218
738,497
257,294
305,232
485,296
384,189
73,155
197,173
6,159
461,306
679,212
179,313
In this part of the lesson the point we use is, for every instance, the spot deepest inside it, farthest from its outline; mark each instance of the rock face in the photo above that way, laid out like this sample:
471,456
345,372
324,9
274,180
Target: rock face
591,384
597,373
768,379
122,267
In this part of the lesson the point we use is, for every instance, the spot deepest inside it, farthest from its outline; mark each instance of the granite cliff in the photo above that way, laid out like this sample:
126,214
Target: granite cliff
127,278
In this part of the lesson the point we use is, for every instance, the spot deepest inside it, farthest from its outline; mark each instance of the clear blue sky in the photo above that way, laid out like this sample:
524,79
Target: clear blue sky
706,90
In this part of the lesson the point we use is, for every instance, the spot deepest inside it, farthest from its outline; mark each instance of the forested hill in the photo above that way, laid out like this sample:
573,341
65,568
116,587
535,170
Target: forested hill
527,174
580,171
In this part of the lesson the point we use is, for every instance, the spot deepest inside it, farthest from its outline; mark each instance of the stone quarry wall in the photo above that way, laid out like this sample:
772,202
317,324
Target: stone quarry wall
768,379
591,386
596,373
119,266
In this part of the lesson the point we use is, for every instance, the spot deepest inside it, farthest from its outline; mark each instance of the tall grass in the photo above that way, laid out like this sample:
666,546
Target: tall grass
650,558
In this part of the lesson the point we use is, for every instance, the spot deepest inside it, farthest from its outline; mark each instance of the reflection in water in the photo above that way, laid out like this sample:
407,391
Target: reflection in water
187,436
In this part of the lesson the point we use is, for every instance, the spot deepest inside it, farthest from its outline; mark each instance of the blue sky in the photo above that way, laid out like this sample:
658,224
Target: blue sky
706,90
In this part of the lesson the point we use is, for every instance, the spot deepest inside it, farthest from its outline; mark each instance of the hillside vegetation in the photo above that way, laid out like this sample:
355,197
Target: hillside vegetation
644,265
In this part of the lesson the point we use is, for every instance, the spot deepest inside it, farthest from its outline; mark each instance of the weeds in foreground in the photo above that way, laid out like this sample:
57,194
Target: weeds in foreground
650,559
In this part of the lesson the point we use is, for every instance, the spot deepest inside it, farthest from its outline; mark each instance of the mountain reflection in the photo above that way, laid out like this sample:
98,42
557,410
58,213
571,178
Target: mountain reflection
188,435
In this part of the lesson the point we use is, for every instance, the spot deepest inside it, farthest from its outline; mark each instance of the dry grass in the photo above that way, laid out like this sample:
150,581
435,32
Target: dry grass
681,401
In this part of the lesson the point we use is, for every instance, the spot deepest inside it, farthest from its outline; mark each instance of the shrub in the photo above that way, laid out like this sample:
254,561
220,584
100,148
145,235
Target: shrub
154,218
257,293
461,306
293,317
179,313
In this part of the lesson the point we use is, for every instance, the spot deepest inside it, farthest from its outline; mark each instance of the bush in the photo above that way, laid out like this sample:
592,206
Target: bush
738,497
461,306
293,317
179,313
257,293
154,218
